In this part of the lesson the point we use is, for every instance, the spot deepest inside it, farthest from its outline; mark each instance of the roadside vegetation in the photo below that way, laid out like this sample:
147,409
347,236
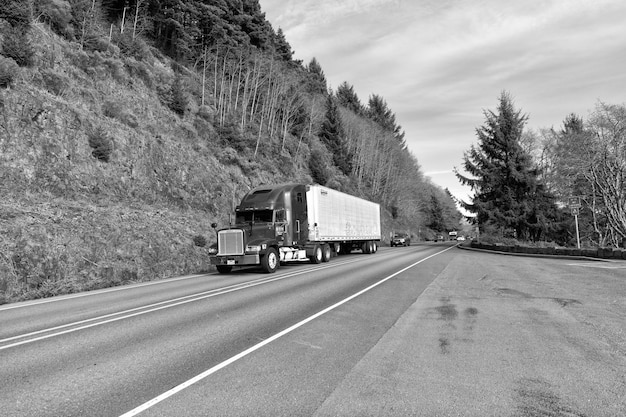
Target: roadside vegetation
127,128
526,184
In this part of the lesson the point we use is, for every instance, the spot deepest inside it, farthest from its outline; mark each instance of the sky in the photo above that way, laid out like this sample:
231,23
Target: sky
439,64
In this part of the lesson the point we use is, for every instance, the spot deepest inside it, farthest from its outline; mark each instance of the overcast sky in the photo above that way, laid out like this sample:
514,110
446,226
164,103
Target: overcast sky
440,63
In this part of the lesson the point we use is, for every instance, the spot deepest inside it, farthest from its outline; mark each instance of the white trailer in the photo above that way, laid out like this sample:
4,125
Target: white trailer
336,217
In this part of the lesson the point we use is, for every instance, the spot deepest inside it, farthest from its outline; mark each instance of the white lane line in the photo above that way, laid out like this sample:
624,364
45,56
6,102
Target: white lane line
152,308
148,404
98,292
95,292
602,265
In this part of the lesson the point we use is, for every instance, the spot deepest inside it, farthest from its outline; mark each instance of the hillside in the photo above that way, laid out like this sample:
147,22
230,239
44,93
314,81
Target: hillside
116,157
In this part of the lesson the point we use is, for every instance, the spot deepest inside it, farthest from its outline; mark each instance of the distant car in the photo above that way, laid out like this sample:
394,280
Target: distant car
439,238
400,240
460,238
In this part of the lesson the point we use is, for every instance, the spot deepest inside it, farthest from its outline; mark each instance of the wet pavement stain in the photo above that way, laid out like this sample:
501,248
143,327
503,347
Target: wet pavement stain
444,345
447,311
450,329
535,398
565,302
471,312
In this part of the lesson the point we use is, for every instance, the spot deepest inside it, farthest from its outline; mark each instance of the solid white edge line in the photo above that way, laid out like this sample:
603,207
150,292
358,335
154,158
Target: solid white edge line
151,308
148,404
58,298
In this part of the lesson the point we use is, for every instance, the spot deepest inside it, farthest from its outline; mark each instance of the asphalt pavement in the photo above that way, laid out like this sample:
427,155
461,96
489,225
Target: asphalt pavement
499,335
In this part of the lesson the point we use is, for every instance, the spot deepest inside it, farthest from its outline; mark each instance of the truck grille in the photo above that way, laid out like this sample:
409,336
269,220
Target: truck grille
230,242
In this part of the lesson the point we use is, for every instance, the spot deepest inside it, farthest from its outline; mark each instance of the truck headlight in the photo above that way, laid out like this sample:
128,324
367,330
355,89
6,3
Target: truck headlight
253,248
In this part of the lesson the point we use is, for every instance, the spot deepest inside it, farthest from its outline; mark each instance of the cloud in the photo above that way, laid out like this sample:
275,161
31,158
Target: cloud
440,63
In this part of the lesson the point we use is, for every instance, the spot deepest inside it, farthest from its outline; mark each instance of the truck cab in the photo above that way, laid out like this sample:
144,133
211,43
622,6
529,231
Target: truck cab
269,223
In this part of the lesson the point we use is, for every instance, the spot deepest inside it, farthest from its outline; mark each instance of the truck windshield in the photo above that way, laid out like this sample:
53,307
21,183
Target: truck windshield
254,216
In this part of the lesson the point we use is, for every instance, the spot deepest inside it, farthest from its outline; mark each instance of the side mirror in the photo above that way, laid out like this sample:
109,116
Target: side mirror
214,225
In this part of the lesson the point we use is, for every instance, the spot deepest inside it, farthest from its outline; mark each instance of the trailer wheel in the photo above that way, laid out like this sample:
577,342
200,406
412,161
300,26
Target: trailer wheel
367,247
374,247
326,253
270,261
317,255
224,269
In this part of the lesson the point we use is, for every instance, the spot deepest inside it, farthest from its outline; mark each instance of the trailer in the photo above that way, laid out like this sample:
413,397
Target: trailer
295,222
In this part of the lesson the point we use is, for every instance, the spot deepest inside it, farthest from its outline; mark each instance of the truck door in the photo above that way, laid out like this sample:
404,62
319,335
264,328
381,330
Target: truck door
299,222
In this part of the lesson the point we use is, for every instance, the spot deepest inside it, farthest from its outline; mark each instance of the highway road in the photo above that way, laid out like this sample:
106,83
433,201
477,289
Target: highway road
140,348
425,330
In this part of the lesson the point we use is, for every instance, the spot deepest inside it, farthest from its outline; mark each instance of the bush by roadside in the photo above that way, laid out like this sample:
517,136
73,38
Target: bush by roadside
602,253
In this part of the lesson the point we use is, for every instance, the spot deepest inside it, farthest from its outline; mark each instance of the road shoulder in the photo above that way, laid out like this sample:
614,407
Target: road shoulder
496,335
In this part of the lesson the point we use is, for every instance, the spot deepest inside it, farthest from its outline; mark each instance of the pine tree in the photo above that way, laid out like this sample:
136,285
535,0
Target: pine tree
348,98
508,196
333,136
283,49
379,112
317,79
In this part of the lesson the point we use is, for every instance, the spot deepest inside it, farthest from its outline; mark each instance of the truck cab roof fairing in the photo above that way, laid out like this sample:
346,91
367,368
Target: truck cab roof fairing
266,197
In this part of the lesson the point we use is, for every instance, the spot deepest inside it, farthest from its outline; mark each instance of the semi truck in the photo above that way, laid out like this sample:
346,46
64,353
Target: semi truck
295,222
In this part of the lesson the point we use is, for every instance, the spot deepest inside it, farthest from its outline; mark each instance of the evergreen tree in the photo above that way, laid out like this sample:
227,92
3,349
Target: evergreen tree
333,136
283,49
379,112
348,98
436,220
508,196
317,80
318,167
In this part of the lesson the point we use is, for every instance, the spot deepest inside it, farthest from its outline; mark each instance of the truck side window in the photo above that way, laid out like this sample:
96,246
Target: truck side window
280,216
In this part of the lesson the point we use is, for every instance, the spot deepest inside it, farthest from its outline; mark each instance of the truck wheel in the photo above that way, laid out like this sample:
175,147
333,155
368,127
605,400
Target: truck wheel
224,269
270,261
317,255
326,253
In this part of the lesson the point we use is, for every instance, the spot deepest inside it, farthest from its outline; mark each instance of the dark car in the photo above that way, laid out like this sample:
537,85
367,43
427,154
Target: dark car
401,240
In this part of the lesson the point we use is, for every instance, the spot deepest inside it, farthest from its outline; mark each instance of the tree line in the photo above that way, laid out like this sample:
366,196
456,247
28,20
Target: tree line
234,64
524,181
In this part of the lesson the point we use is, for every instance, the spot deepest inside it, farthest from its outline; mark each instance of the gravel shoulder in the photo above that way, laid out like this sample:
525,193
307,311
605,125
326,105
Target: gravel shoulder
498,335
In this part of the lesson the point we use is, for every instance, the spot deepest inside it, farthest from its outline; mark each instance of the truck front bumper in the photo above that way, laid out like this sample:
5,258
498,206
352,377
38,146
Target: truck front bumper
235,260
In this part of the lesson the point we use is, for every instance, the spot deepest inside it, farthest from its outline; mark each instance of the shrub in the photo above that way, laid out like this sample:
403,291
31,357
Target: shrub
56,83
101,144
199,241
136,48
16,13
115,110
178,101
18,46
8,69
319,167
58,14
139,70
